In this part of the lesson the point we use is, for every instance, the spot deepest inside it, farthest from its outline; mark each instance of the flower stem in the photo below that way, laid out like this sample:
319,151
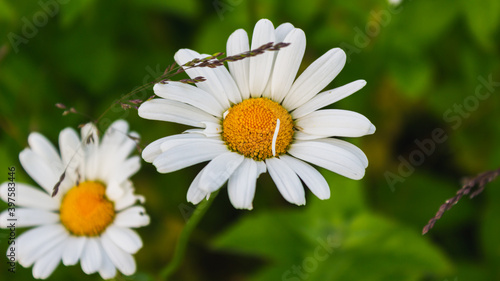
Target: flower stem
180,249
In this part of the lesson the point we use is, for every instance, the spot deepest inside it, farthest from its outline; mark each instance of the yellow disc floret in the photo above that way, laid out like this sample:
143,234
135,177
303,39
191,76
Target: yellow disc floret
249,128
85,209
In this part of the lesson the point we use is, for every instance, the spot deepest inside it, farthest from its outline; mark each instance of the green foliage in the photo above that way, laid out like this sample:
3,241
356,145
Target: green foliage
6,11
424,62
413,81
490,228
75,10
185,8
333,241
482,19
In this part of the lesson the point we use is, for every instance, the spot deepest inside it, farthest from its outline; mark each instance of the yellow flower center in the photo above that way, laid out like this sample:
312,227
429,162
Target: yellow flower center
85,210
251,128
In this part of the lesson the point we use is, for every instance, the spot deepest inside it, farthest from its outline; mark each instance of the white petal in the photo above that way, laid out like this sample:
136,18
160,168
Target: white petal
124,238
114,191
261,65
92,162
299,135
44,266
90,139
29,196
310,176
132,217
90,134
189,94
29,217
128,199
35,243
115,147
282,31
91,256
73,249
69,144
174,111
287,64
335,122
195,194
127,169
107,270
188,154
216,173
231,90
122,173
212,84
153,149
116,153
237,44
212,129
44,148
331,157
347,146
179,140
328,97
287,182
241,184
316,77
39,169
72,155
116,133
126,147
121,259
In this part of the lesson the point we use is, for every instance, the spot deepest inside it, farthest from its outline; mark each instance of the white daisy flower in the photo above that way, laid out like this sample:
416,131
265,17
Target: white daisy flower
257,117
90,218
395,2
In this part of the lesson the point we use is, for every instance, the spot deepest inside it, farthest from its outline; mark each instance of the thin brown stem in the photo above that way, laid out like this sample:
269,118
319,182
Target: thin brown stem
468,185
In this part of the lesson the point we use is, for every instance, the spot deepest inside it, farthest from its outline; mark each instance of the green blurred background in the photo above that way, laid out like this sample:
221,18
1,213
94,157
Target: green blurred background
425,63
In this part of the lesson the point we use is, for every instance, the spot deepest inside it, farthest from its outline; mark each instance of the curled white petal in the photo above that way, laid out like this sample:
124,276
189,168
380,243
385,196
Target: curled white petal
275,136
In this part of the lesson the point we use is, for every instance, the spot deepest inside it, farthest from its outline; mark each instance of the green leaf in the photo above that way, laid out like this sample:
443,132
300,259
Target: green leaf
7,13
413,75
417,24
344,202
304,13
359,249
185,8
278,227
474,270
89,57
483,18
212,35
418,198
388,243
73,9
490,226
330,240
141,276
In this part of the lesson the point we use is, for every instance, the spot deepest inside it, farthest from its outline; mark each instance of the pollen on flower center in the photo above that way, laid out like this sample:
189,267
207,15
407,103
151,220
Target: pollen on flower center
249,128
85,209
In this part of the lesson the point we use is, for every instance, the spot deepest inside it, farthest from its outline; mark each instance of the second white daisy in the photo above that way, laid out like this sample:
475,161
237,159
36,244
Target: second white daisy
90,218
257,117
